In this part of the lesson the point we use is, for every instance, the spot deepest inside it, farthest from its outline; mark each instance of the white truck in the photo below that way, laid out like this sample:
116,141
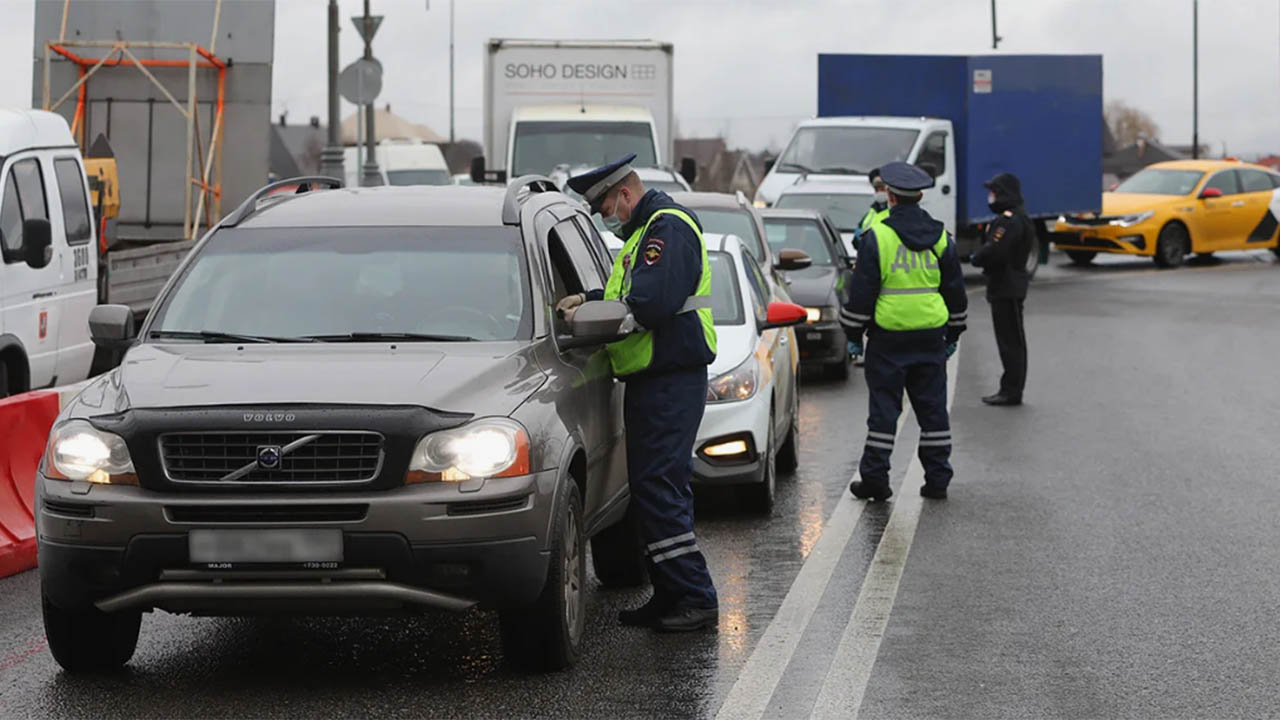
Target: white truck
573,103
50,260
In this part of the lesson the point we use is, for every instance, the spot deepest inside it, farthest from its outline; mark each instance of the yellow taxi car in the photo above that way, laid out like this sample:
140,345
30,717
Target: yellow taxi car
1172,209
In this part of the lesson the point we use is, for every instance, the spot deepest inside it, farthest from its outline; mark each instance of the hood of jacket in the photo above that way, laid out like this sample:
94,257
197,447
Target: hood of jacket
914,226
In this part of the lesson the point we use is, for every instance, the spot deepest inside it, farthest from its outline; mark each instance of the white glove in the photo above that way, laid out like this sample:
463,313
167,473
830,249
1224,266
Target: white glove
569,302
567,315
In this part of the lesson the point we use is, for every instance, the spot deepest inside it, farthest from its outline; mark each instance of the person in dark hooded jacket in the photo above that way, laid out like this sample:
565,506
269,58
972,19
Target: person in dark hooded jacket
1003,258
908,297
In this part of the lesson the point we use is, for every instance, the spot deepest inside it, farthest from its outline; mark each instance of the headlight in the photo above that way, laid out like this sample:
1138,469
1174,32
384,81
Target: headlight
819,314
1131,220
738,384
760,203
493,447
79,451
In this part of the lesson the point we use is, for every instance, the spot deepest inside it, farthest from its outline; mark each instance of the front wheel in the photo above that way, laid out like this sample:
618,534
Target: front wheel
1081,258
547,635
788,458
90,640
1172,246
760,496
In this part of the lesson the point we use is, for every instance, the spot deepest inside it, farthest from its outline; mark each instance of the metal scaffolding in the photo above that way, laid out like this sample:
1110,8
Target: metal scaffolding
208,201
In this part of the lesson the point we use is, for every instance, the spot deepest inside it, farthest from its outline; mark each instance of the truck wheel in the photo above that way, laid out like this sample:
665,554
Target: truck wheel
788,459
1081,258
1172,246
90,640
759,496
617,554
547,635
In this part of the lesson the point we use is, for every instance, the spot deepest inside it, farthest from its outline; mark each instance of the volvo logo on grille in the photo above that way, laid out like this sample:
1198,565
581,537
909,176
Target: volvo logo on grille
269,417
269,457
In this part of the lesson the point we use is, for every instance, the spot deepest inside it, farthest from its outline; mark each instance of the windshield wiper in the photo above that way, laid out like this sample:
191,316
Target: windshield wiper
217,336
794,166
840,171
378,336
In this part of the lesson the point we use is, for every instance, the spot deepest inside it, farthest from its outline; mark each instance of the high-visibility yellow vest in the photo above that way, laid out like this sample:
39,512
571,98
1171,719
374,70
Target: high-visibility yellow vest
909,282
874,217
634,353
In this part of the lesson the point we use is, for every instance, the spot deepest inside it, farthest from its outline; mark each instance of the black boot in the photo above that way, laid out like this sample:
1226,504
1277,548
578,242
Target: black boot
933,492
646,614
1001,399
687,619
869,492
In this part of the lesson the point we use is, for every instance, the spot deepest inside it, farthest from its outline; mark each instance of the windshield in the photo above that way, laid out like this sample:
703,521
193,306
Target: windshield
726,300
287,283
845,150
845,211
733,222
798,234
666,186
1161,182
419,177
540,146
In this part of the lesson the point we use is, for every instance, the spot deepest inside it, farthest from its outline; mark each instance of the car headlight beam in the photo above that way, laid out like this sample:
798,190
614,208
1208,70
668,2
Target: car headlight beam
491,447
1134,219
79,451
738,384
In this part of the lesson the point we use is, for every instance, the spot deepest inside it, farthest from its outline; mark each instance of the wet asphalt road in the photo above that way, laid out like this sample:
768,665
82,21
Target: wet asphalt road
1110,549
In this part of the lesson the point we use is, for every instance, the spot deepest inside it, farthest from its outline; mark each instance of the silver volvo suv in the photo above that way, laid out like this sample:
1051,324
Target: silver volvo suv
349,401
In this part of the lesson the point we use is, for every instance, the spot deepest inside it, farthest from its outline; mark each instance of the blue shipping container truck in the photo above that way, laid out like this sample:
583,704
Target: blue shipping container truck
1037,116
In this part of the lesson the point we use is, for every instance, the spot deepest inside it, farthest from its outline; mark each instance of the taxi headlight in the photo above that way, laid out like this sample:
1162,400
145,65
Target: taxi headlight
492,447
739,383
1134,219
79,451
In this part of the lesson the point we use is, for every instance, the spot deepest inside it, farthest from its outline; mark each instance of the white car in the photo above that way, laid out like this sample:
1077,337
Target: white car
401,162
845,201
750,428
49,273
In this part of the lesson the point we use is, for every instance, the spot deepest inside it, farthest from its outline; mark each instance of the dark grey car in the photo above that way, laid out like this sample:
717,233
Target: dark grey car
349,401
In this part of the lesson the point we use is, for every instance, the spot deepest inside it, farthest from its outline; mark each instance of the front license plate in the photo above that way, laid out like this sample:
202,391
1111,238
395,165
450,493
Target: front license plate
813,336
280,546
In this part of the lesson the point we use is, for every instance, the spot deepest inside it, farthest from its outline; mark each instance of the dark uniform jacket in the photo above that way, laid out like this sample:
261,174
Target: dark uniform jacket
1007,244
918,231
668,266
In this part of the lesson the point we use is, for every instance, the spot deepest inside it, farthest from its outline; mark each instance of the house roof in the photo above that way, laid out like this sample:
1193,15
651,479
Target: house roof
387,126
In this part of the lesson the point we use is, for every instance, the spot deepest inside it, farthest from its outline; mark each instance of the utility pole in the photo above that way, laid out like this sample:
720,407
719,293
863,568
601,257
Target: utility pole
451,138
1195,78
995,37
370,173
331,157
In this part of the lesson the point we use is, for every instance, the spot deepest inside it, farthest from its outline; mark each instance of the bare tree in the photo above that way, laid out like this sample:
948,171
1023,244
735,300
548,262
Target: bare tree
1128,123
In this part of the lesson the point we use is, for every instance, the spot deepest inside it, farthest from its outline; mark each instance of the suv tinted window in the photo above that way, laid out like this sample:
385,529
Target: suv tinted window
1224,181
75,206
733,222
23,200
464,281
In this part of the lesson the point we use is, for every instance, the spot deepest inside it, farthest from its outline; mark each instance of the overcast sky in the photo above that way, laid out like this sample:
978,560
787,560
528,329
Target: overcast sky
747,68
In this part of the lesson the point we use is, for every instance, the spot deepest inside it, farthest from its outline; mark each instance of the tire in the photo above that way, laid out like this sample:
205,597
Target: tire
617,555
1081,258
1172,246
1033,254
1276,250
788,458
759,496
547,635
86,641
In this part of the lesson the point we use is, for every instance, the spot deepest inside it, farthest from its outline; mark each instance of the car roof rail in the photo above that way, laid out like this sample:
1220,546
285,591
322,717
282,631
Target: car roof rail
511,203
250,205
742,198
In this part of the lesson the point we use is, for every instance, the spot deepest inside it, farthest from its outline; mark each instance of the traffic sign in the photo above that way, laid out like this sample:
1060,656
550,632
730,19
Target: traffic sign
367,26
361,81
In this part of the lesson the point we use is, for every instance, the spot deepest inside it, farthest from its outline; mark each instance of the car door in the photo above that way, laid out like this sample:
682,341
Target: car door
29,294
1219,223
780,352
1258,213
73,241
936,151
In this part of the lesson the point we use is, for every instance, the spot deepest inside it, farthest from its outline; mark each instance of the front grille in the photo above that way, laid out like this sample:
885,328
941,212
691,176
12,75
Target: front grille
76,510
482,507
222,457
266,513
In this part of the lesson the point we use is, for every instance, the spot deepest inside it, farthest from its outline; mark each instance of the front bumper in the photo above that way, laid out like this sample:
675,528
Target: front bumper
1133,240
822,343
428,545
746,421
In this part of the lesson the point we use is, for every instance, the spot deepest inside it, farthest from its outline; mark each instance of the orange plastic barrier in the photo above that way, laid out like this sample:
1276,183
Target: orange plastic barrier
25,421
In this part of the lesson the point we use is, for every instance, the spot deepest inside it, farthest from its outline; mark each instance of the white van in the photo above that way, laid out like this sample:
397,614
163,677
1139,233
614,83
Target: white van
402,162
48,277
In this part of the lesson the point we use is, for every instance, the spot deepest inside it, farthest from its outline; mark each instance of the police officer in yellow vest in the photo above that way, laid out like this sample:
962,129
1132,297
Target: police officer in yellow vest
663,275
908,297
879,209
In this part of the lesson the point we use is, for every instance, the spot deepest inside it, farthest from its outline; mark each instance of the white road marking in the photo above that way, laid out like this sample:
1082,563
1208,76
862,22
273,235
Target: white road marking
750,694
850,671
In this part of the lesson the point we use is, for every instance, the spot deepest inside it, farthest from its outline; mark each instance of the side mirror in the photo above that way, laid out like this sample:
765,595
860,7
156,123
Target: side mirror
1204,194
37,242
598,322
768,165
688,170
790,259
477,169
781,314
111,326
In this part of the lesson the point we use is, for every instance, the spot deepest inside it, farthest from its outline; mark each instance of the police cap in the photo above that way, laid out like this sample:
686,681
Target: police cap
593,185
905,180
